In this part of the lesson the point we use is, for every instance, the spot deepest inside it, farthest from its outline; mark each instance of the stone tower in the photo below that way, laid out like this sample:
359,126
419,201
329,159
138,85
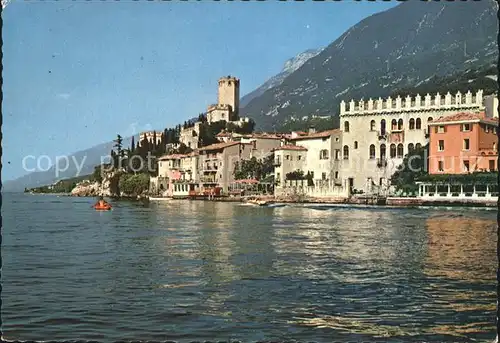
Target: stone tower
229,93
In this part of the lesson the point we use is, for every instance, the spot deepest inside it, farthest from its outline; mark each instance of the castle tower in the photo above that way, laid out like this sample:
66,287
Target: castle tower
229,93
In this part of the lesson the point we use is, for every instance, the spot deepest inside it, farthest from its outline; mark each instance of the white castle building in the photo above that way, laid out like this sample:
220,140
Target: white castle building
377,134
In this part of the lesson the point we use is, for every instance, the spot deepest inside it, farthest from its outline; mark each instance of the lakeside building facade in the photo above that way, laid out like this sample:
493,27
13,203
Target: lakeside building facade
217,162
463,143
177,174
376,135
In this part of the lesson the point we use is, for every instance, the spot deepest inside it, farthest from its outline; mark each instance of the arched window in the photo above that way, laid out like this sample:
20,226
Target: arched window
400,124
382,152
393,150
382,127
410,147
429,120
418,146
394,124
372,125
418,124
346,152
412,124
355,144
346,126
372,151
400,150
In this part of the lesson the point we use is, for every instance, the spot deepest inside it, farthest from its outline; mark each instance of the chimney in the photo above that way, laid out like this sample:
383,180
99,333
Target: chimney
312,130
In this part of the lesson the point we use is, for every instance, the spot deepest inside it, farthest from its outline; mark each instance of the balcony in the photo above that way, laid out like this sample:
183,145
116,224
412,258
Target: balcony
381,162
382,136
276,163
210,167
208,179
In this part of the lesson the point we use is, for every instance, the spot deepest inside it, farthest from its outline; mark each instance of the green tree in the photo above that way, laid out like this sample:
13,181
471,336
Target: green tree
414,166
132,144
133,185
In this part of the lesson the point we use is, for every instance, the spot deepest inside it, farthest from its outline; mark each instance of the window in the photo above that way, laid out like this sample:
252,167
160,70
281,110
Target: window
372,151
337,154
336,139
486,129
410,147
323,176
465,127
382,152
440,129
355,144
299,157
412,124
418,124
382,127
418,146
287,157
336,174
466,166
400,124
323,154
346,126
440,166
400,150
372,125
429,119
492,165
393,150
440,145
346,152
278,176
466,144
394,125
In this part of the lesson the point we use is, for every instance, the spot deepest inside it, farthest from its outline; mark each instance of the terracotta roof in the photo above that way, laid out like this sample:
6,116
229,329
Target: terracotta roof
462,116
291,147
322,134
218,146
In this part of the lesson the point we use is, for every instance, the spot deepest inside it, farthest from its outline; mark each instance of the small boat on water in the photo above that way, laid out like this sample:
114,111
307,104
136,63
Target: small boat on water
160,198
264,203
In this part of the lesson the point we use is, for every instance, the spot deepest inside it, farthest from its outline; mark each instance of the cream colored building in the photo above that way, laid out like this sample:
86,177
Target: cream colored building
190,136
217,162
323,153
177,175
377,134
149,136
287,159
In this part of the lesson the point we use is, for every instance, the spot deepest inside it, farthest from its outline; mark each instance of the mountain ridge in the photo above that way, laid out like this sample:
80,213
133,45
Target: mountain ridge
371,59
290,65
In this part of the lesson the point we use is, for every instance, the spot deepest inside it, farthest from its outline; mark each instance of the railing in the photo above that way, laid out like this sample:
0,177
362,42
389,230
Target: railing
276,163
207,179
381,162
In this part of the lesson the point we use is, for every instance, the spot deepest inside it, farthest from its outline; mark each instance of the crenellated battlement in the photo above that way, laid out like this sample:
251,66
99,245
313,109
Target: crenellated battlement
419,103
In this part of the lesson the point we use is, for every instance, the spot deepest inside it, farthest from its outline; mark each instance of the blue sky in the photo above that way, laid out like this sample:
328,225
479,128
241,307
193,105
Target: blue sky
77,73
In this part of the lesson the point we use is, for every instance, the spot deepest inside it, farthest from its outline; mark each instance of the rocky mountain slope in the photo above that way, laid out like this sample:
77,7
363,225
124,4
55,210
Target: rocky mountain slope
91,157
402,47
290,66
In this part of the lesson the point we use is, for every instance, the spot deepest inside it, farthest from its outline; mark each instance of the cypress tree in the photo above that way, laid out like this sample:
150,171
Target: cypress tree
132,144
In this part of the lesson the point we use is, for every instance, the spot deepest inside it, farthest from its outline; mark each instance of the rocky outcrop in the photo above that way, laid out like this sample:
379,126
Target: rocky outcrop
86,189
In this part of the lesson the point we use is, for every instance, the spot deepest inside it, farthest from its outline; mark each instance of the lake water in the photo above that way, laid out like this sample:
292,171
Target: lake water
192,270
